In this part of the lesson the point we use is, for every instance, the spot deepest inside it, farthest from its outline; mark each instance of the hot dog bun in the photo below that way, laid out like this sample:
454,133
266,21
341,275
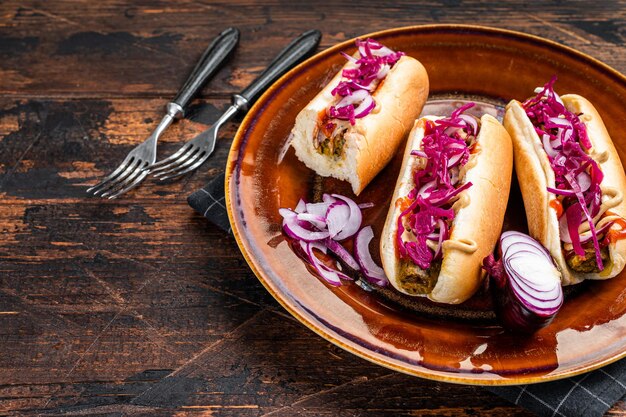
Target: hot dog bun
535,174
479,213
373,140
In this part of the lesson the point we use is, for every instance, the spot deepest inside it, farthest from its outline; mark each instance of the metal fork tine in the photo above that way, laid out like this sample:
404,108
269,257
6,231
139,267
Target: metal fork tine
131,172
122,183
135,183
188,159
110,176
159,164
121,177
191,168
192,153
181,166
203,144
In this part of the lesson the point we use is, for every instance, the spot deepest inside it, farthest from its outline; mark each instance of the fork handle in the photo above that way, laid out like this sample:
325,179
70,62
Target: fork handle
288,57
209,63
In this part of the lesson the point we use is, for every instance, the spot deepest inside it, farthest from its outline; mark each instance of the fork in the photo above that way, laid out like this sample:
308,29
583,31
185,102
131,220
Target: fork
193,154
133,169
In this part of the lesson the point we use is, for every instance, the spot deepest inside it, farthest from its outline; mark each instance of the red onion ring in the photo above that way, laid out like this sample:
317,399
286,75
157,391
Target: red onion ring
372,272
527,285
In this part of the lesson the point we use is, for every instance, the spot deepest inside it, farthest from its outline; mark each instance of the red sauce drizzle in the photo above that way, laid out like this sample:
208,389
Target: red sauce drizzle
324,123
615,235
556,205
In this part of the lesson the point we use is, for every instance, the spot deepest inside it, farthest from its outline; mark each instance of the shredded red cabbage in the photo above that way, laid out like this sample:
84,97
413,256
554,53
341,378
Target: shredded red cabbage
374,62
577,175
445,147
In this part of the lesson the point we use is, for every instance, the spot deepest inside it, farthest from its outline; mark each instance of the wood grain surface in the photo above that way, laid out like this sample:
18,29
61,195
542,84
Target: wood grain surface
138,306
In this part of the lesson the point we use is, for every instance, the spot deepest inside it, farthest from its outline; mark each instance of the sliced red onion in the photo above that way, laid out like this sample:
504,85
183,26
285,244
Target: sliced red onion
527,285
286,213
525,246
294,230
518,264
541,301
382,73
315,219
300,207
366,106
565,135
354,221
454,160
470,121
372,272
547,146
584,181
452,130
548,92
355,98
538,306
340,274
320,226
337,217
330,276
348,57
342,253
418,152
564,230
319,209
559,191
512,237
565,236
443,235
558,121
558,99
459,147
348,87
370,47
600,231
327,198
383,51
292,227
452,194
425,190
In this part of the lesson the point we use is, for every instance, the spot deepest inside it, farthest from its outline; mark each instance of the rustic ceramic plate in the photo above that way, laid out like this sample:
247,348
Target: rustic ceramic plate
490,65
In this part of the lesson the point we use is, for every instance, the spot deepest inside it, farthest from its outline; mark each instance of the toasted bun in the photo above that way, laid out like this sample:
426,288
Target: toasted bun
535,174
372,141
479,213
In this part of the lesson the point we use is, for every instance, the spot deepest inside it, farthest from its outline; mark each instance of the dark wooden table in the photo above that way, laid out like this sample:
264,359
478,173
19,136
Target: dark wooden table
139,306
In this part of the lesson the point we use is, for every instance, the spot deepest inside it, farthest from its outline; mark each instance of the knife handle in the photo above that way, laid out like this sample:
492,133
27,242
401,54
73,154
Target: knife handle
209,63
298,49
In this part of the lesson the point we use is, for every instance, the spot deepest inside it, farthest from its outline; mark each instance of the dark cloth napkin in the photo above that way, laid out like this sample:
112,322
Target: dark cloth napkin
587,395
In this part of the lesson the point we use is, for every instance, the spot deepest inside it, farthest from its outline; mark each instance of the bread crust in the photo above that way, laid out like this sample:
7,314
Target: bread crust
479,213
535,174
373,140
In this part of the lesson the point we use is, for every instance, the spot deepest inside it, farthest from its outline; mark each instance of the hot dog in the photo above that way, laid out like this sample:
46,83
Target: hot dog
353,127
448,206
572,182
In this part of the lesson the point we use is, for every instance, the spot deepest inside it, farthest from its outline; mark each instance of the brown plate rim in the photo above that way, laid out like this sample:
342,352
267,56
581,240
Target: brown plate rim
325,331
